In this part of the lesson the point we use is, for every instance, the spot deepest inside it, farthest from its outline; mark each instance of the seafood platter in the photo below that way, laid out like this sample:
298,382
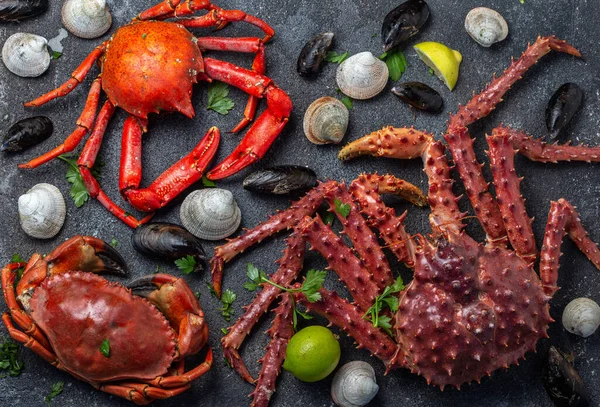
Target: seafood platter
298,203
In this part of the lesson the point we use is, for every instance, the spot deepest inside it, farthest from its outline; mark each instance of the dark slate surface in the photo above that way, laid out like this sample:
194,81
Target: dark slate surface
357,26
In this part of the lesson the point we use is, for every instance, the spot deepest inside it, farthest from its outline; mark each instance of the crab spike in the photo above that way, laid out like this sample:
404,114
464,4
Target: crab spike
281,332
286,219
341,259
563,218
349,318
289,267
483,103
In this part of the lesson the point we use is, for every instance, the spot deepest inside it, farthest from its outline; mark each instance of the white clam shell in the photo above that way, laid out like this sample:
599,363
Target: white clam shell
326,121
86,18
362,76
42,211
354,385
486,26
581,317
210,214
26,54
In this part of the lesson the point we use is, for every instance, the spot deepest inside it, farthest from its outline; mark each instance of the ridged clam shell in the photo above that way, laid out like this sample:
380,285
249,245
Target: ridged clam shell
210,214
362,76
354,385
86,18
581,317
326,121
42,211
486,26
26,54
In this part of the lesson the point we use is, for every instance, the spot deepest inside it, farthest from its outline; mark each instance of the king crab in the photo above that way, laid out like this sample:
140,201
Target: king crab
150,66
471,308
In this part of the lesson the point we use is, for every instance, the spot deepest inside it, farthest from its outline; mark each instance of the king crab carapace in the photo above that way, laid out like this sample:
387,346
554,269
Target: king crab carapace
150,66
471,308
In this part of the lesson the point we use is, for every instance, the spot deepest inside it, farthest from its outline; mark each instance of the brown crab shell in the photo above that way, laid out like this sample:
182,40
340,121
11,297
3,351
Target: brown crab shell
470,310
78,311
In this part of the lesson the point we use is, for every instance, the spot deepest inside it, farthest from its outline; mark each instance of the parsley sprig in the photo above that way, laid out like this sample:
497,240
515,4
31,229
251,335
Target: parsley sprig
10,363
57,388
227,300
218,99
16,258
78,191
256,277
396,63
386,298
186,264
105,348
341,208
336,58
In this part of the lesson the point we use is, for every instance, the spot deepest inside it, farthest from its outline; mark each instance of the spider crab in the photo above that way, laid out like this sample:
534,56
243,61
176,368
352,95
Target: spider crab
150,66
128,345
471,308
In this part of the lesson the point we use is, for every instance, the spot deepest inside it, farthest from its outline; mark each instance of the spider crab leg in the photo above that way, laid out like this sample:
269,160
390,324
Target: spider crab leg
290,266
267,126
281,332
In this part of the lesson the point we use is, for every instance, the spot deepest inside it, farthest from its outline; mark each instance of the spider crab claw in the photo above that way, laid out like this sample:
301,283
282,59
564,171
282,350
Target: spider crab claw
174,298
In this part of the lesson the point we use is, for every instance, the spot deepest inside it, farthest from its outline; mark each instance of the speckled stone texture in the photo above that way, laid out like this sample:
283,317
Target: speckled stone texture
357,26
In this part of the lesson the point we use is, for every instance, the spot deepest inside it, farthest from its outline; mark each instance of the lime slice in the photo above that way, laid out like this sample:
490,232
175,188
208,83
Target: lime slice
444,61
312,354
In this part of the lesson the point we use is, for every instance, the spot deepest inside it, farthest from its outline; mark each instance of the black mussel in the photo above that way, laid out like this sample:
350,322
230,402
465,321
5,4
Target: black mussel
562,382
561,108
26,133
312,55
419,96
167,240
403,22
281,180
17,10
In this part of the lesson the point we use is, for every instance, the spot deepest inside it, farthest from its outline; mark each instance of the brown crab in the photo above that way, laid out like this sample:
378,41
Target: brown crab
470,308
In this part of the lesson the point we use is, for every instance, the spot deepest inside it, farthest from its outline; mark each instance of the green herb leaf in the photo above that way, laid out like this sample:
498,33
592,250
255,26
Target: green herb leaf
255,276
312,284
522,1
227,300
78,191
388,299
207,182
396,63
197,294
56,54
328,218
336,58
218,99
9,359
186,264
16,258
347,101
114,242
105,348
373,35
431,71
225,331
341,208
57,388
212,290
157,270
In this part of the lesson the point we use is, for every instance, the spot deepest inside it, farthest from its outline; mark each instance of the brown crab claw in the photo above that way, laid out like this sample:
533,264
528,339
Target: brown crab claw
106,257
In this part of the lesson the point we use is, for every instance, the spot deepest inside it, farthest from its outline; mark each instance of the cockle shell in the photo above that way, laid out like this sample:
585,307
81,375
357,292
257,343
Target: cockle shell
486,26
354,385
581,317
42,211
26,54
210,214
326,121
362,76
86,18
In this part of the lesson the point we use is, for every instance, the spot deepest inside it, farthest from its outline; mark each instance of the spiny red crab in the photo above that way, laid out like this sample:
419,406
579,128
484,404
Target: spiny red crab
471,308
150,66
132,346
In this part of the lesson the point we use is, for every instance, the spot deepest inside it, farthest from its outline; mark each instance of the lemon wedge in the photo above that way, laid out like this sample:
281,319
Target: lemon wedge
444,61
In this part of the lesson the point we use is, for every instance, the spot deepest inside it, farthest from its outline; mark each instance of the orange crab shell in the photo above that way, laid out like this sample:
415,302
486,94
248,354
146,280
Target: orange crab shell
139,82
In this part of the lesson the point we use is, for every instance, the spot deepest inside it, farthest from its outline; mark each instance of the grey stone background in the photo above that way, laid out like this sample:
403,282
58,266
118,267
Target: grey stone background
357,26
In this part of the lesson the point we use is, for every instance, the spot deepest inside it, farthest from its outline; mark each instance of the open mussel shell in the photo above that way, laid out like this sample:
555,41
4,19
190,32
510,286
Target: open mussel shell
167,240
326,121
561,108
313,53
26,54
403,22
210,214
86,18
419,96
26,133
17,10
281,180
562,382
362,76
